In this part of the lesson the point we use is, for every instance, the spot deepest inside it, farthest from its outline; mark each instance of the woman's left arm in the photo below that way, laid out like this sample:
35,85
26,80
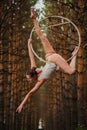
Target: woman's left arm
31,55
33,90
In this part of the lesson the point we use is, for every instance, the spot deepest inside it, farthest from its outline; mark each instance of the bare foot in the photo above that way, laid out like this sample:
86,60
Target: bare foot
32,13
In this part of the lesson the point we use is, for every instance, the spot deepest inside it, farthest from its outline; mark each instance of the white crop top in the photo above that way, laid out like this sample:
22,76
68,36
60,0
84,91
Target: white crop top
47,70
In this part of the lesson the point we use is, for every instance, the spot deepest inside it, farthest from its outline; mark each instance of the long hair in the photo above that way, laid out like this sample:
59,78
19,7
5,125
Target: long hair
32,72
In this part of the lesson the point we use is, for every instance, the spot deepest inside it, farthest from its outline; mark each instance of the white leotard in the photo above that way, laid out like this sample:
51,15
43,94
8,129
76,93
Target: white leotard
47,70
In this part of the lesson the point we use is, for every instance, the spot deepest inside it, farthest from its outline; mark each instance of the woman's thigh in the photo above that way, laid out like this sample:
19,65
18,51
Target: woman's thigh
59,61
47,45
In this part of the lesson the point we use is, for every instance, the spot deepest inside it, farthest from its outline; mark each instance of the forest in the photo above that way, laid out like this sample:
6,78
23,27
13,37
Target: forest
60,103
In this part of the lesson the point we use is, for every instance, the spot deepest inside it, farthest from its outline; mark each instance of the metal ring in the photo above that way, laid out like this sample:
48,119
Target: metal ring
69,21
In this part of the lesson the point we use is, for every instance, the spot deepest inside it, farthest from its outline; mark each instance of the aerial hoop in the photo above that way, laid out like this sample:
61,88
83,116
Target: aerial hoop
68,21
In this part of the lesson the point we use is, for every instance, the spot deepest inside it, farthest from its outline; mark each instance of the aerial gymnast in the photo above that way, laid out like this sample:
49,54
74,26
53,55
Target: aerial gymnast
53,59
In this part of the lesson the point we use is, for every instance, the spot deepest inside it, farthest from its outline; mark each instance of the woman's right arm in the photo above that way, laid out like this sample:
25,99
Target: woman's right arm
33,90
31,55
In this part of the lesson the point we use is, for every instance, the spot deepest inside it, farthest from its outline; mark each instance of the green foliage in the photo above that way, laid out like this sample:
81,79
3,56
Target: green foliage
32,2
67,1
23,129
81,128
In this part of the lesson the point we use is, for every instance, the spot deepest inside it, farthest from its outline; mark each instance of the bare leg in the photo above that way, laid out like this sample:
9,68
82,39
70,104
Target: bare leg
73,63
61,62
31,55
46,44
55,58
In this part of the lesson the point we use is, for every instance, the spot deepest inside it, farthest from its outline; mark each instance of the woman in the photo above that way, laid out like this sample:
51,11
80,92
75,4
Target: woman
53,60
